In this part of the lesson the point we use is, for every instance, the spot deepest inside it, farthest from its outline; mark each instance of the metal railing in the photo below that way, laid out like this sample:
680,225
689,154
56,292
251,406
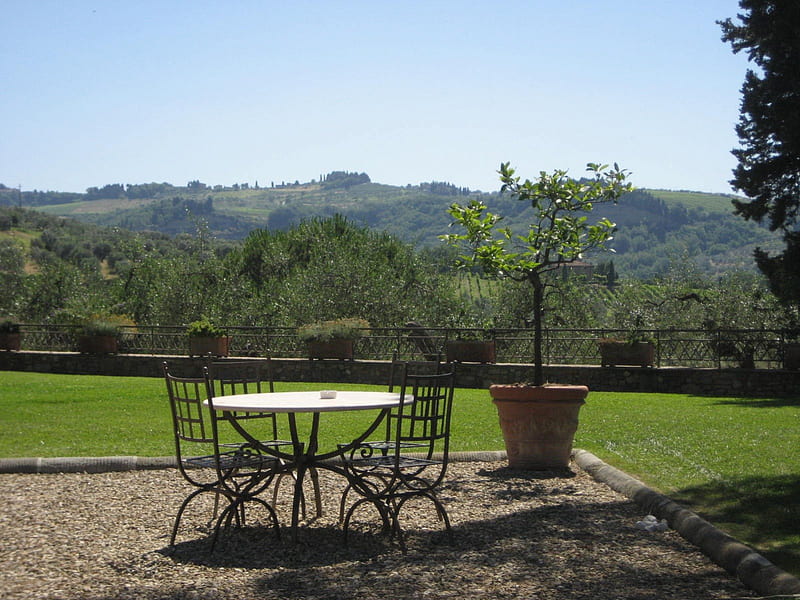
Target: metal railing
686,348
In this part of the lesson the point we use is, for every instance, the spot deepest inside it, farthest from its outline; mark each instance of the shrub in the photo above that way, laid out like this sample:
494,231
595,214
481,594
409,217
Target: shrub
347,329
203,327
99,327
104,324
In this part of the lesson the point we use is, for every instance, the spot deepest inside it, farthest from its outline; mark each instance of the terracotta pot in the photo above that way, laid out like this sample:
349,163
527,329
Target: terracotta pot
341,349
97,344
538,423
641,354
203,346
479,351
10,341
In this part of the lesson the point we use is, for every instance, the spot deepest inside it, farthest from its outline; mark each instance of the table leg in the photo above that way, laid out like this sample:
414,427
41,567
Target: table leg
302,462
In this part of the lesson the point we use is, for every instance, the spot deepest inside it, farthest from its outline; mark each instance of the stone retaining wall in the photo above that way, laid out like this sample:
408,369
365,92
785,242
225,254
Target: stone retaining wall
772,383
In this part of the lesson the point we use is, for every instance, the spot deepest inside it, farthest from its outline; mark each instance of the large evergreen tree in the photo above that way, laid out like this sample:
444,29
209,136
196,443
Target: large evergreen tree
768,172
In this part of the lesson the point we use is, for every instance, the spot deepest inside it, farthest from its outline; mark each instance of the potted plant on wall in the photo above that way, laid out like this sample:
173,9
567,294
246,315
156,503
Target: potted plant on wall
640,351
10,336
539,419
206,338
98,335
635,344
332,339
477,346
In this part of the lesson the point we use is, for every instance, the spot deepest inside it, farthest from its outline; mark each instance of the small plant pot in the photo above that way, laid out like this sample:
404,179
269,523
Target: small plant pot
538,423
341,349
203,346
97,344
477,351
10,341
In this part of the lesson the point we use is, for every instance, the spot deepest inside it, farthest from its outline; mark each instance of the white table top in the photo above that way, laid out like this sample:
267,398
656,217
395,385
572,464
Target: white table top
300,402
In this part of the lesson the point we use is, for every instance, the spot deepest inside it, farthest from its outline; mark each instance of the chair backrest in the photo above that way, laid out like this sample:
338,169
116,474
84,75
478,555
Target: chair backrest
426,420
398,369
241,376
228,377
192,427
189,414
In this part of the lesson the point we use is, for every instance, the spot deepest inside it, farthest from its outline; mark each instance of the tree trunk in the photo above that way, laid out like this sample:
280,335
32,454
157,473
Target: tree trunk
538,301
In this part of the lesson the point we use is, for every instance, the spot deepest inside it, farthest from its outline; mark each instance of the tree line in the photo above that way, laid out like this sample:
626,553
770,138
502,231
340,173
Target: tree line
54,270
651,232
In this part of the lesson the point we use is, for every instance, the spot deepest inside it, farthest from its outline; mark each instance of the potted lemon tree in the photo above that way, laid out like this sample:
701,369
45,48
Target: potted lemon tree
539,419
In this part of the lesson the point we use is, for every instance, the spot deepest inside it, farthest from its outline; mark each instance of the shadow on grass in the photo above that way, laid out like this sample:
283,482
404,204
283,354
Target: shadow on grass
763,512
760,402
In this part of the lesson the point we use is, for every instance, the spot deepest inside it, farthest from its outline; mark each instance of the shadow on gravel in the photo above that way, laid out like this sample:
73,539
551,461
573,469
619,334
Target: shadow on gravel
568,546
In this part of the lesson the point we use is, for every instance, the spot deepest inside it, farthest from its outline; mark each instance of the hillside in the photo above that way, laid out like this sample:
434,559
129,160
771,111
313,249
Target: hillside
655,226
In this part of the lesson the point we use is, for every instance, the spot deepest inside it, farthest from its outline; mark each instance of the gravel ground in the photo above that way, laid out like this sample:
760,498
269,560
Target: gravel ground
518,534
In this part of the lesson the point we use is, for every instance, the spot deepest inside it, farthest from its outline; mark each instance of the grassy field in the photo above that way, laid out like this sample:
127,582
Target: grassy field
92,207
709,202
736,461
107,416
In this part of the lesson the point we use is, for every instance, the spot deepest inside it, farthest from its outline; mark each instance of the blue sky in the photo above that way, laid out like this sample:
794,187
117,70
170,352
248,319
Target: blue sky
241,91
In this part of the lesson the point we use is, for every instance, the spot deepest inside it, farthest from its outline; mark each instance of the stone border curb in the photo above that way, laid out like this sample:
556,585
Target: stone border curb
103,464
107,464
751,568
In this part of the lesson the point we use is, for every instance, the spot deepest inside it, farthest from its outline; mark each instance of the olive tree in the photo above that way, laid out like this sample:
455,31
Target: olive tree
324,269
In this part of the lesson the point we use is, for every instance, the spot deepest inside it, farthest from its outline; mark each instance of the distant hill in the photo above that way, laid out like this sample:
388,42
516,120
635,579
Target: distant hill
655,226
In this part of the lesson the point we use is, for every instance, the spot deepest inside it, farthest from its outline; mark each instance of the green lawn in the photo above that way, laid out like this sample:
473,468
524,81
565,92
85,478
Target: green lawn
733,460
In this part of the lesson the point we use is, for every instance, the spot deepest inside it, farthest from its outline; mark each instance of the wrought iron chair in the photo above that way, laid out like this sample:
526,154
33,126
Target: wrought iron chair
398,370
252,377
238,474
388,479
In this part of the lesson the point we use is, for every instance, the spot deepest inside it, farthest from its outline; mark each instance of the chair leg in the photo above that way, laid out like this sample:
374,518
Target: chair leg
226,515
343,502
216,509
182,508
365,484
272,514
234,510
441,513
383,510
